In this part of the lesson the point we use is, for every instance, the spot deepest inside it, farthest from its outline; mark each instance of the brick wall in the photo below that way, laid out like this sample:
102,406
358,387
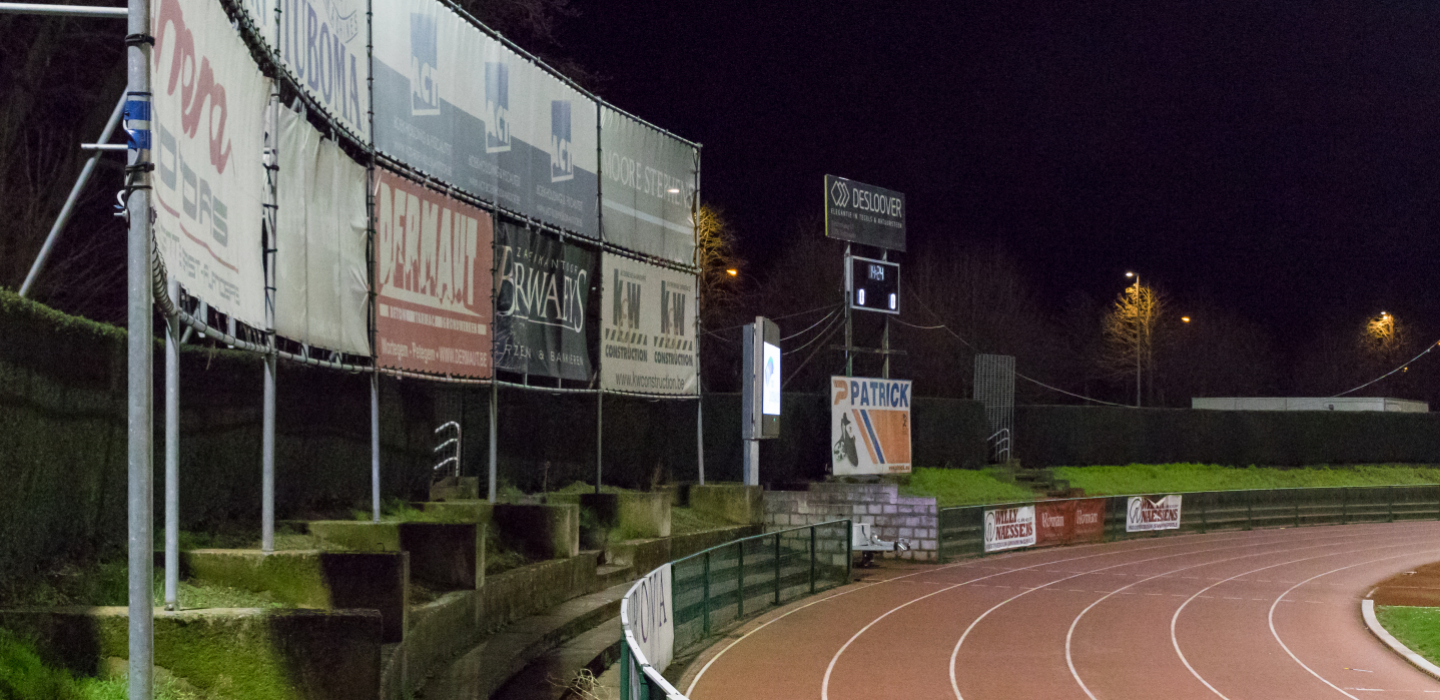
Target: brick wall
880,505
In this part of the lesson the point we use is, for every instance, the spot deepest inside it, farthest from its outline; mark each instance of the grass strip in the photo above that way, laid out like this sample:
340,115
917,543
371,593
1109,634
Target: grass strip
963,487
1416,628
1184,477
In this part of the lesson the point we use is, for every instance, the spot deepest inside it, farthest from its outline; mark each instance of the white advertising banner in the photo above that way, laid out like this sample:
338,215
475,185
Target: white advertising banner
261,13
1009,528
320,268
647,323
208,145
869,426
647,188
649,617
456,104
1146,513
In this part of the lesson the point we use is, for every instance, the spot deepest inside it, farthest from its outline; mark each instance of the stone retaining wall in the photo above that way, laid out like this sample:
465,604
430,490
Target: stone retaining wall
880,505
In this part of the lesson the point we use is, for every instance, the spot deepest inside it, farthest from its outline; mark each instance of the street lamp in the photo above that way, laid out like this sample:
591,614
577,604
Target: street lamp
1138,329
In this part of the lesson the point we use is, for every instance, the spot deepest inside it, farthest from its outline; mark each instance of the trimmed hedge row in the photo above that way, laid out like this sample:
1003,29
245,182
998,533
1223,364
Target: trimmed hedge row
1080,435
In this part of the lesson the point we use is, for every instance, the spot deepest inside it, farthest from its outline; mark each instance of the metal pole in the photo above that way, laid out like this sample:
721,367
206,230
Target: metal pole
494,438
849,359
375,446
22,8
139,349
267,449
885,336
599,435
172,452
1138,330
69,208
699,421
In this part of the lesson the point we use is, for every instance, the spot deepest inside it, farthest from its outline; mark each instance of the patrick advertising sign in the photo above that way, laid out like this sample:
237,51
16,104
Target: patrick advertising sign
1146,513
1009,528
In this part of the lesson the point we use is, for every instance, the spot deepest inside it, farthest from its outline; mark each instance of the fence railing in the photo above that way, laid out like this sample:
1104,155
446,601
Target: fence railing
962,529
705,594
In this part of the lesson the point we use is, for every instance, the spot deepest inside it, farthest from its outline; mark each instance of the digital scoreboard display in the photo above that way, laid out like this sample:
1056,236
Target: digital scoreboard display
873,285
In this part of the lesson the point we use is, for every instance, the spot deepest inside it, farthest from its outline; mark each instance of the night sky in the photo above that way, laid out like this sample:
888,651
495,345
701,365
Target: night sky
1275,158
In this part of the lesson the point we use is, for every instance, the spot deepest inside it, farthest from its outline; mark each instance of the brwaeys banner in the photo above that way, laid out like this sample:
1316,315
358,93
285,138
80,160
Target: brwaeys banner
647,328
543,298
460,106
433,280
207,143
869,426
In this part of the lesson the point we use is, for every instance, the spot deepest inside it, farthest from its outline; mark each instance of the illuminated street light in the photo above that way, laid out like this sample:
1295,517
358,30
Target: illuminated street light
1137,336
1184,319
732,272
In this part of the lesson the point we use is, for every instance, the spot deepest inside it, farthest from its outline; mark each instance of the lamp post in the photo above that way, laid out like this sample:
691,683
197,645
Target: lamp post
1138,330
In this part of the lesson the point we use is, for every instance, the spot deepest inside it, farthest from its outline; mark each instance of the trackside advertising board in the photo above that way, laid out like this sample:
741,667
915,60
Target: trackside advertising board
647,188
649,617
647,328
1009,528
869,426
207,140
1146,513
432,273
542,300
458,105
322,45
1069,522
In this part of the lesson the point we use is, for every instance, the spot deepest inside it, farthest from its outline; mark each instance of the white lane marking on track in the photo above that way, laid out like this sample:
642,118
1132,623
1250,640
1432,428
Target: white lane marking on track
954,682
1271,616
1070,635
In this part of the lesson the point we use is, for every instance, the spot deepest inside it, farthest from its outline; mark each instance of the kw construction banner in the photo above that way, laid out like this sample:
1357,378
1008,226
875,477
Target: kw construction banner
542,299
1145,513
647,328
869,426
432,269
455,103
321,283
649,180
208,134
647,614
1068,522
1009,528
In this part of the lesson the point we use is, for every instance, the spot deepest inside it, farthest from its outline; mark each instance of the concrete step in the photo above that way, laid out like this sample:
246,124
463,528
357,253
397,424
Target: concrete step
613,575
555,673
481,671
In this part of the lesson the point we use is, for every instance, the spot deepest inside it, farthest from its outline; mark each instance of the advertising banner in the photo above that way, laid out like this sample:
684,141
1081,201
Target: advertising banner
864,214
1069,522
432,269
1145,513
321,283
323,46
208,131
542,298
869,426
261,13
649,616
1009,528
458,105
649,180
647,328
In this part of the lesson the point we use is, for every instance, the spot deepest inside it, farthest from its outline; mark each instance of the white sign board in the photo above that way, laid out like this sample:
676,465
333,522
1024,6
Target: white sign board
649,617
1009,528
208,136
647,328
869,426
1145,513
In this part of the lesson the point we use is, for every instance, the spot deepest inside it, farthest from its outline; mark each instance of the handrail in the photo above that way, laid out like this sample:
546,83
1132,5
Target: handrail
1184,493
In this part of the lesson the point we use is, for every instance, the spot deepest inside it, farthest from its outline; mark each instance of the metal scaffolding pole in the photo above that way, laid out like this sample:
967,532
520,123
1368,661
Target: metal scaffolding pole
267,447
24,8
375,446
69,208
494,437
172,452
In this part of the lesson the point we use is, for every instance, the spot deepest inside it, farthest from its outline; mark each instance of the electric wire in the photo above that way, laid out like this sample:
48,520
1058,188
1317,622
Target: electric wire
1412,360
833,324
777,318
796,372
823,319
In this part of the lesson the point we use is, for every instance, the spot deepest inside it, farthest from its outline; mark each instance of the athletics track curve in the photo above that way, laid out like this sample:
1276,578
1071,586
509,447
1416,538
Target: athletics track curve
1259,615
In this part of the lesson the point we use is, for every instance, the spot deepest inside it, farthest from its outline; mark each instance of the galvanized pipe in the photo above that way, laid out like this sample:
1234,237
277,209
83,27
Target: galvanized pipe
494,438
267,448
375,446
172,454
24,8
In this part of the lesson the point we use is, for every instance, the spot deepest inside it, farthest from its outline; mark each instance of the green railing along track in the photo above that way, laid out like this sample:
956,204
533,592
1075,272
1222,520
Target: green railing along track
715,590
962,529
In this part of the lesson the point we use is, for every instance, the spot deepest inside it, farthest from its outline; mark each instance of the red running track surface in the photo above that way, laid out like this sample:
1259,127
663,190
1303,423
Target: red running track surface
1261,615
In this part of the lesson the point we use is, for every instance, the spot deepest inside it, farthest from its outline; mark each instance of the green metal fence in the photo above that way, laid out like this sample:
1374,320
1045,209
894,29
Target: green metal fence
962,530
715,590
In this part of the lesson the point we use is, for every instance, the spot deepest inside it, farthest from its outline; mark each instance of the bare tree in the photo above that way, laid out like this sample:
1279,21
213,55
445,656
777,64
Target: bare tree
1131,331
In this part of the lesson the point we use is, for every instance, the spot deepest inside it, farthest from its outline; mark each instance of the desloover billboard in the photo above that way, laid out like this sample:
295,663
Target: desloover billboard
647,328
433,281
864,214
647,189
869,426
458,105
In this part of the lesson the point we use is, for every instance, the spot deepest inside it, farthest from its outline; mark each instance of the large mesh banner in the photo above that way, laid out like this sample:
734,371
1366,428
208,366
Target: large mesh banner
208,130
649,181
647,328
320,268
458,105
433,257
542,302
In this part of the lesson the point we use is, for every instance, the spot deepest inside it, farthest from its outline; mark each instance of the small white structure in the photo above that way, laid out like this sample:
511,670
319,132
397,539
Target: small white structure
1340,403
865,541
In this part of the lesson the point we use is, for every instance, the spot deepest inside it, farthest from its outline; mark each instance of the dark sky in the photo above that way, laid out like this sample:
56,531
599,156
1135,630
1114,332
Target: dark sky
1276,158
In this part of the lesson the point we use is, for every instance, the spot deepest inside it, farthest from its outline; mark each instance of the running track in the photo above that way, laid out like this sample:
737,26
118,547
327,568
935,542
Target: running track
1261,615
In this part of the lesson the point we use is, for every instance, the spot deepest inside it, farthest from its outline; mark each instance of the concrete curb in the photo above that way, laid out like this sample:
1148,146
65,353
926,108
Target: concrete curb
1367,608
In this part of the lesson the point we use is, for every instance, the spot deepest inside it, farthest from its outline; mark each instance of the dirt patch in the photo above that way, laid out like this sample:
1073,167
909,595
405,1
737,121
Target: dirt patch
1417,588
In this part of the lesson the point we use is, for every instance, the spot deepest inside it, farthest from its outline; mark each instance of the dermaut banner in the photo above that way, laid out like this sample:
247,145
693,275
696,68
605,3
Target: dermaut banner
866,214
458,105
321,282
543,296
207,144
647,328
1009,528
647,187
1146,513
432,273
869,426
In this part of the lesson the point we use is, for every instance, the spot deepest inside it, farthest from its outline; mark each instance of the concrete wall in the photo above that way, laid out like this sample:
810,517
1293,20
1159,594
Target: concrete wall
881,505
1302,403
736,503
539,531
446,556
645,555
